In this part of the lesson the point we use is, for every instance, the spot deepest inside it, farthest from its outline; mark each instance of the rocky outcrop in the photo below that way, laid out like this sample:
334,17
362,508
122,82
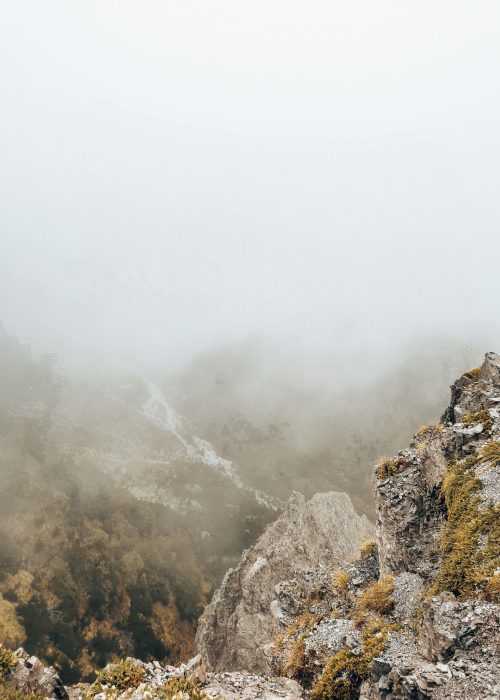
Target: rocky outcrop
145,681
429,626
30,675
242,620
409,498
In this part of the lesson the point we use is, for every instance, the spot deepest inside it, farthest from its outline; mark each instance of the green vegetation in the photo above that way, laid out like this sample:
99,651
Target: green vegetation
8,662
482,417
7,692
178,688
291,643
470,541
491,453
12,633
121,675
105,576
88,573
347,668
386,467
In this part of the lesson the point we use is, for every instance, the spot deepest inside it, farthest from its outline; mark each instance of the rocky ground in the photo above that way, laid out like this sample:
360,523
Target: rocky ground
324,607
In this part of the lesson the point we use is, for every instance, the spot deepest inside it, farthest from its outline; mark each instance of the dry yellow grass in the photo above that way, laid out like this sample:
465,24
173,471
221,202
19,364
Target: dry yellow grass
491,453
377,597
492,588
340,581
368,548
291,643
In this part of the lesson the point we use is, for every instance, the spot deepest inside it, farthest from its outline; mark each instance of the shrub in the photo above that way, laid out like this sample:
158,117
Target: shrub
123,674
8,662
377,597
345,670
7,692
180,688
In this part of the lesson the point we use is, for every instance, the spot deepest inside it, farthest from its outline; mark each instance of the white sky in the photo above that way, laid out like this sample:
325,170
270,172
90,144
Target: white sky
174,175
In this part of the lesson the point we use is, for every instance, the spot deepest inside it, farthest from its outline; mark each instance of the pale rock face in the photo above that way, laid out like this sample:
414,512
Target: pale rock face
30,675
410,505
241,621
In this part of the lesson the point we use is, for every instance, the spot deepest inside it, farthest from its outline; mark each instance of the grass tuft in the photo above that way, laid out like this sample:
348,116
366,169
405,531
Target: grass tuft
473,374
470,540
430,430
121,675
340,581
368,548
377,597
346,669
482,417
492,588
491,453
180,689
8,662
386,467
292,642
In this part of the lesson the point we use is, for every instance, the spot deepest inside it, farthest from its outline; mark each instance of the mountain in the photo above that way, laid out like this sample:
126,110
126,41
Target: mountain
124,499
412,614
417,615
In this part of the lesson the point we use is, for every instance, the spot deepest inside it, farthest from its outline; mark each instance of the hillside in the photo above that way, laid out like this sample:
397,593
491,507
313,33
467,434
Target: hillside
414,613
124,499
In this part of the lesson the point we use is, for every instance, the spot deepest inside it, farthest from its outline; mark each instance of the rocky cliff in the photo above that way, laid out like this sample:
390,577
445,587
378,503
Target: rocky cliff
418,615
244,616
318,609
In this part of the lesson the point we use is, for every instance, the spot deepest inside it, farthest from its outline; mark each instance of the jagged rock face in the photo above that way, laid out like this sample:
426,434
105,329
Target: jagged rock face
410,514
31,676
445,646
449,625
242,618
453,650
409,500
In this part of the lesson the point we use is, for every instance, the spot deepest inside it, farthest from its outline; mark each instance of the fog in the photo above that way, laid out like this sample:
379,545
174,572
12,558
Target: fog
180,176
263,240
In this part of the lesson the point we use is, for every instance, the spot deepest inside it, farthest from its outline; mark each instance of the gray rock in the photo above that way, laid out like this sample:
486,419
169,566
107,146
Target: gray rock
239,623
448,625
31,675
